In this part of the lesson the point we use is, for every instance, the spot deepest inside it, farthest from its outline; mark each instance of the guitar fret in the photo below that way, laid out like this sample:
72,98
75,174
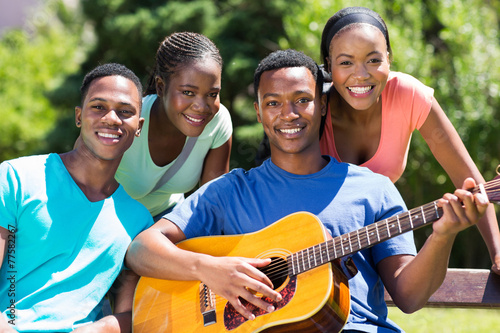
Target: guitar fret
349,249
436,209
399,224
327,252
359,240
303,261
387,225
423,214
411,222
367,236
293,264
378,235
342,246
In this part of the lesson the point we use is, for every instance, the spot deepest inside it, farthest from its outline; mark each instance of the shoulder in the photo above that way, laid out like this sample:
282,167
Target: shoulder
29,163
147,102
222,118
401,81
131,209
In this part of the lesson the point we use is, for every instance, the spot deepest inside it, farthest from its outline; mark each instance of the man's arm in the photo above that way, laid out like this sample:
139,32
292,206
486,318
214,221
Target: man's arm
412,280
121,320
153,253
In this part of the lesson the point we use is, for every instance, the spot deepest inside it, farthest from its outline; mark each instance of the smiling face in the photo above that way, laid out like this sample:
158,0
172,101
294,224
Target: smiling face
359,63
289,108
109,117
191,97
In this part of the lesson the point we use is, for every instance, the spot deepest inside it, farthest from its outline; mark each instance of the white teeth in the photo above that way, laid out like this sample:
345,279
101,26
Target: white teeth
193,119
290,130
108,135
360,90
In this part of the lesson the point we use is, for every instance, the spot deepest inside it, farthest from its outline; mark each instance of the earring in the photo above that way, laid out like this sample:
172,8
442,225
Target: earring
77,123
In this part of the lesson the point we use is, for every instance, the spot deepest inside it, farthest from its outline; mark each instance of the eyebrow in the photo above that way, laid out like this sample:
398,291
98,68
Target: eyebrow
297,92
350,56
99,99
196,87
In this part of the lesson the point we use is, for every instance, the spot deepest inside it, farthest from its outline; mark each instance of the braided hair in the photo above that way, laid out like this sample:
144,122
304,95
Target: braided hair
180,49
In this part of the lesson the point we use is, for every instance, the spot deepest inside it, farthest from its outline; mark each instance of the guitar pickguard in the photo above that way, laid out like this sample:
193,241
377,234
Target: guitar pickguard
233,319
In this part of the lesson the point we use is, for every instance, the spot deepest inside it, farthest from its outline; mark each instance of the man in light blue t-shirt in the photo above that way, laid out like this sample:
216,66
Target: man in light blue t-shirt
65,222
345,198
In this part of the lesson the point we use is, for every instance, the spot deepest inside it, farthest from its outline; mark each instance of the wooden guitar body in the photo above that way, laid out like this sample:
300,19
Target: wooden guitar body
316,300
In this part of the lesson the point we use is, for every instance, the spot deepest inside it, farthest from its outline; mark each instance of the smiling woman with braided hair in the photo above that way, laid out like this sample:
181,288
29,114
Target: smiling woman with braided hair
373,111
186,138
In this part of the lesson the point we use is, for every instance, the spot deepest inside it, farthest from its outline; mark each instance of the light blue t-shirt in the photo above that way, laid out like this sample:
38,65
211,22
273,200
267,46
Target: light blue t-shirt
345,198
64,251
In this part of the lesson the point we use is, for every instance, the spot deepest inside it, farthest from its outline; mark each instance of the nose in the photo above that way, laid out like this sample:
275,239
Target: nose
360,72
288,112
200,104
112,118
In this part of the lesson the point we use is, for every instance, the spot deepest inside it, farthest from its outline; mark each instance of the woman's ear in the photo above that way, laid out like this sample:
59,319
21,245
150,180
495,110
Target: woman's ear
327,64
160,86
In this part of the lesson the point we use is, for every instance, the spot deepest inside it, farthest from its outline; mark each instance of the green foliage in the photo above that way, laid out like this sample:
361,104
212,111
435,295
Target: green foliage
129,32
450,45
33,66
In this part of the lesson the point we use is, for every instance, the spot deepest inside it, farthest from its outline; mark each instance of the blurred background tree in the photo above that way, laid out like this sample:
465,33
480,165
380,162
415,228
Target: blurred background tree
452,46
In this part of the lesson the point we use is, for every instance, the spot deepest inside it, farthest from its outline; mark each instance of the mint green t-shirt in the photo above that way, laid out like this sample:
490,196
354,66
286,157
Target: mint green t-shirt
138,174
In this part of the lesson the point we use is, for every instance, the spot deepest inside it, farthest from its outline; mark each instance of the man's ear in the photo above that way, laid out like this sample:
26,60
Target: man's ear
256,107
139,127
78,116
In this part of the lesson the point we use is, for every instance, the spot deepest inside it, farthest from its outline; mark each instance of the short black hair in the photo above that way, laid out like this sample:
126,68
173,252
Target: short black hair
109,69
284,59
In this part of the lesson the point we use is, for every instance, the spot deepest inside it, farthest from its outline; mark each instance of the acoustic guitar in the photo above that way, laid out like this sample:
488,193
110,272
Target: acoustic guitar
307,269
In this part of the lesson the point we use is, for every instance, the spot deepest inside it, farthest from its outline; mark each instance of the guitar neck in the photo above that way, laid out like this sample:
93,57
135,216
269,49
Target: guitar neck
365,237
378,232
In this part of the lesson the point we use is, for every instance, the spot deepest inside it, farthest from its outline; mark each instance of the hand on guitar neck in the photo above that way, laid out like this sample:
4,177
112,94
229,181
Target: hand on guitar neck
412,280
461,209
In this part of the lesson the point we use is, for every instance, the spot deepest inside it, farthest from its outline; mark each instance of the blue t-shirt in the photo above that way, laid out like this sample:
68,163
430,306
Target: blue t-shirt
64,252
345,198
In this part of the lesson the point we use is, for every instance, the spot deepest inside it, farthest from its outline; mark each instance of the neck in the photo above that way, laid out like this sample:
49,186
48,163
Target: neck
304,163
159,123
95,177
340,109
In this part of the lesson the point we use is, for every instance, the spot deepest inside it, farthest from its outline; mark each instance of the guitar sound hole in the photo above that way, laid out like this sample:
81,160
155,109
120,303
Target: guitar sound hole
276,271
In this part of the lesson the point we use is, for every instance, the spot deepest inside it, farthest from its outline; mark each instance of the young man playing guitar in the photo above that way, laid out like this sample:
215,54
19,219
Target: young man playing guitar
298,178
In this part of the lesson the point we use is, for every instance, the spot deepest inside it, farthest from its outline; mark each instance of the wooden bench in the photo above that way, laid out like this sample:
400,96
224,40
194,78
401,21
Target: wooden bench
465,288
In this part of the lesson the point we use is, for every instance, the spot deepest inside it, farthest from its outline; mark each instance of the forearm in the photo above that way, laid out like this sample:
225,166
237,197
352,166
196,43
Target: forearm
152,254
421,277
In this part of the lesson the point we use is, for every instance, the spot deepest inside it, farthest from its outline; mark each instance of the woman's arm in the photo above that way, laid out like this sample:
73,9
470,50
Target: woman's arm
449,150
216,162
412,280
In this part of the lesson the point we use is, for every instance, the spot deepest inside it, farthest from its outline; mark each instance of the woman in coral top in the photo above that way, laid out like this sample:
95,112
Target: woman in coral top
373,111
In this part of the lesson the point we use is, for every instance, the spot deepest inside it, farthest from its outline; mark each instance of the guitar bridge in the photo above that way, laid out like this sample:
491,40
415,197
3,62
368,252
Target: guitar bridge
207,305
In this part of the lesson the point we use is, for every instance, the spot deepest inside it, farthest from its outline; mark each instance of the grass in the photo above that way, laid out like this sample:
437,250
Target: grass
447,320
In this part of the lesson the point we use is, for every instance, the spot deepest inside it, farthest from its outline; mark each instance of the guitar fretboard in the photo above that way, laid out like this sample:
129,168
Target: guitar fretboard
360,239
